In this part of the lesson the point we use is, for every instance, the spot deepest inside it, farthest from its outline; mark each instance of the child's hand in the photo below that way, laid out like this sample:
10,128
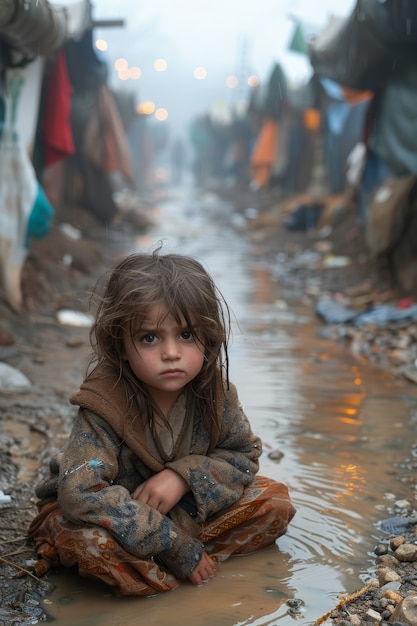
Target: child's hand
162,491
205,569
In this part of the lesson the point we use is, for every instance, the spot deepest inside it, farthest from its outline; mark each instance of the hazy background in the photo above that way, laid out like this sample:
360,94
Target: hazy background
226,37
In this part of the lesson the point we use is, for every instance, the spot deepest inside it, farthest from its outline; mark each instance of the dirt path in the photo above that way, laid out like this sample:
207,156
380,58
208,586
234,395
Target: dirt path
53,356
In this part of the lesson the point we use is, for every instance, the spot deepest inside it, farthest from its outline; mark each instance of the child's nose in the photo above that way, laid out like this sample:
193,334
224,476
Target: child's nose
171,350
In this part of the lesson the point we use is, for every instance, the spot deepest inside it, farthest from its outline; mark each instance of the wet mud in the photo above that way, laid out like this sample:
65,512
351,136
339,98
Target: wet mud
334,428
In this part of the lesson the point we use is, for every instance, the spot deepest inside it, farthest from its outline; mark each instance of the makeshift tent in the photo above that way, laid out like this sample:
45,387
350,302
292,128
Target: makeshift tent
28,31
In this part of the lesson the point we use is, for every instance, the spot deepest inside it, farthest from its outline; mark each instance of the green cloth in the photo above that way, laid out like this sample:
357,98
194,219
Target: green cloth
298,42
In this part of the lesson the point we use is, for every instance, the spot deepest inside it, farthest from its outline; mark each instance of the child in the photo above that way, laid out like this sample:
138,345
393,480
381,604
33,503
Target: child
158,481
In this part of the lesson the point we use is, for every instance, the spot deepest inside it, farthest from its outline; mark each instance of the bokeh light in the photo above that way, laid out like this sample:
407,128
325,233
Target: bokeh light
147,107
200,73
121,64
253,81
101,44
135,73
232,82
124,74
161,114
160,65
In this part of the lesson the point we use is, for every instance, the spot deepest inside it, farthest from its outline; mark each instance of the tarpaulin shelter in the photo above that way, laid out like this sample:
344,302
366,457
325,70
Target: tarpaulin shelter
362,51
375,48
37,98
271,109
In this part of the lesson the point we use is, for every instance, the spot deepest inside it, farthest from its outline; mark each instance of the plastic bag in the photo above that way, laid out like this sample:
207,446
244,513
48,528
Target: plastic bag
18,191
40,218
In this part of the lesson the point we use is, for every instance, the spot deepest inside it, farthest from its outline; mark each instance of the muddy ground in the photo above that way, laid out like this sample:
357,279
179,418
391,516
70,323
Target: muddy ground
59,274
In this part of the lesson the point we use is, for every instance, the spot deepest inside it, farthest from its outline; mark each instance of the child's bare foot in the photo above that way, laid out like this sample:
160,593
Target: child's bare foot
205,570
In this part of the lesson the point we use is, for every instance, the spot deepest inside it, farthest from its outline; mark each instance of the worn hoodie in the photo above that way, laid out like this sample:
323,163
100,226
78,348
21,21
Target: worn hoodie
111,450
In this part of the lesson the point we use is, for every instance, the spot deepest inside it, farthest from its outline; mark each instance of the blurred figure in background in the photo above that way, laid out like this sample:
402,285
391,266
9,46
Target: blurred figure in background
177,161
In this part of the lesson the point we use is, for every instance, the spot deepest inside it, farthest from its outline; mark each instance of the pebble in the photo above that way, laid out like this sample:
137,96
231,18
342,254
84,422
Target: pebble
387,575
387,560
406,552
275,455
396,542
373,615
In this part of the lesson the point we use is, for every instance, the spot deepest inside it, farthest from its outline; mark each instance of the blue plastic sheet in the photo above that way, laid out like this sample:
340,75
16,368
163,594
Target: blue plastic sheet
333,312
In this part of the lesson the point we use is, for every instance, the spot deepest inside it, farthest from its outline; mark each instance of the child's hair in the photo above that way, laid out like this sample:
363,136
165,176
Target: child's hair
142,281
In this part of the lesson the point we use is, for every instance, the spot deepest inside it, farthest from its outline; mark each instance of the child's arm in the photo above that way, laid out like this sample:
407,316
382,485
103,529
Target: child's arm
88,493
218,479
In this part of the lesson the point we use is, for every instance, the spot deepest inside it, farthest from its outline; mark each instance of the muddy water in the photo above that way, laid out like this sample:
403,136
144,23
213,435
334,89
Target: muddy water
332,429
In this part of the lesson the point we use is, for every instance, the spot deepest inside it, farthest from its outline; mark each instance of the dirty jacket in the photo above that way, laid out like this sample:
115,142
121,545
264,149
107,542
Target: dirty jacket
111,451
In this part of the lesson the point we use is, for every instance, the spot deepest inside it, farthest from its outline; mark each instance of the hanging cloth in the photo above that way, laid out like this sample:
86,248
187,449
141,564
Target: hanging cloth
264,153
21,199
56,127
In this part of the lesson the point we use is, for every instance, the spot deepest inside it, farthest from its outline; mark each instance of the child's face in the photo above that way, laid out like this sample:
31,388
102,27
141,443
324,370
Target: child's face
164,355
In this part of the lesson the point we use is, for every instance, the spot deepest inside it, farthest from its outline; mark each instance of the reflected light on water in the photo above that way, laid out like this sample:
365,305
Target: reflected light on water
353,482
302,397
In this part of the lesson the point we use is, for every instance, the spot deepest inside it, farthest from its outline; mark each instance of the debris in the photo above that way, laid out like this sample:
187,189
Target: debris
74,318
331,260
12,380
4,499
304,217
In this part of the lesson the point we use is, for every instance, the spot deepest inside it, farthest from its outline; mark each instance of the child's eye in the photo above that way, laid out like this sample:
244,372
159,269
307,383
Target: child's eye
187,335
149,338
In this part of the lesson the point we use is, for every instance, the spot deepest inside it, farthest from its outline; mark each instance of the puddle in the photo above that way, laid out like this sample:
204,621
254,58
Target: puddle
332,429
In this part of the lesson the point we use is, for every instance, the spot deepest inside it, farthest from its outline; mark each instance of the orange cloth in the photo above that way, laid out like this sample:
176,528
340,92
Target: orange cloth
264,153
353,96
256,520
311,119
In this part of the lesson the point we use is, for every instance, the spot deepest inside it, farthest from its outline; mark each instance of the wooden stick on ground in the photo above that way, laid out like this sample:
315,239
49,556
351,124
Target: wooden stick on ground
349,598
21,570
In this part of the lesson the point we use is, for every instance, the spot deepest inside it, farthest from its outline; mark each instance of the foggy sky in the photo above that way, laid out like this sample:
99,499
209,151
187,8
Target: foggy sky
227,37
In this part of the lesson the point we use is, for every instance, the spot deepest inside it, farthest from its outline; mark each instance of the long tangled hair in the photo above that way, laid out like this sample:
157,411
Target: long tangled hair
136,285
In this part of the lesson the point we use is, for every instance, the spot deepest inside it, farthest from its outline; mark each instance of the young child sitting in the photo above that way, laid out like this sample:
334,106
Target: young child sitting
159,479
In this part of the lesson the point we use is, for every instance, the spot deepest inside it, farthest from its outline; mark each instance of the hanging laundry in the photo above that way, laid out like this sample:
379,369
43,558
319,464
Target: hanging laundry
264,153
56,128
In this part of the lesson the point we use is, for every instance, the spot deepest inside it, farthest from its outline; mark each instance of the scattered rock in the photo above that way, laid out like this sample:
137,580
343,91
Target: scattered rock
12,380
406,552
391,600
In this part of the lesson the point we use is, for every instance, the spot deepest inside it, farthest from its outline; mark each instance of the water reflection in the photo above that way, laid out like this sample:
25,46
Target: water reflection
332,429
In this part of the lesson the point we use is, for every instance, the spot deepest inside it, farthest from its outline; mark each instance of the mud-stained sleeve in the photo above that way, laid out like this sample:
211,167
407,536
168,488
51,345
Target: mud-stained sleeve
219,479
88,493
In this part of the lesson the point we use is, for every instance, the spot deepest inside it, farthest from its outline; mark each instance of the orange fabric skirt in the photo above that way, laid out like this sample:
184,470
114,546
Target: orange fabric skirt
256,520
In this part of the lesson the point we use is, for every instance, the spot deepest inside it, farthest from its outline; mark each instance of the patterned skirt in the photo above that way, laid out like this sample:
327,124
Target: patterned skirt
256,520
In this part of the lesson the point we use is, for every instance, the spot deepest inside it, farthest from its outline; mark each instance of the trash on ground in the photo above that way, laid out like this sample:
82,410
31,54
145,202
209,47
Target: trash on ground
334,312
70,232
304,217
330,260
4,499
74,318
